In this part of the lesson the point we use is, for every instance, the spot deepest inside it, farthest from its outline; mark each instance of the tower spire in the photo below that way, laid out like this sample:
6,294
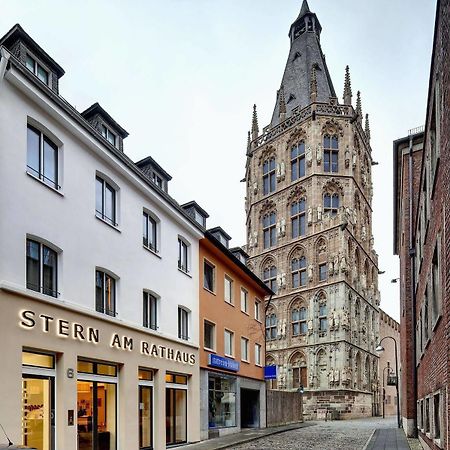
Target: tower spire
281,104
313,85
304,9
347,87
255,128
367,128
358,107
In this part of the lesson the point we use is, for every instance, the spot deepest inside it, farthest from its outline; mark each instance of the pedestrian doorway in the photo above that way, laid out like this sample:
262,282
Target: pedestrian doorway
249,408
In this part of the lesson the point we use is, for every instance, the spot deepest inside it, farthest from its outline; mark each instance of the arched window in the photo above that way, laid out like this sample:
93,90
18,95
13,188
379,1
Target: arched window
330,153
271,326
298,269
269,229
298,161
331,204
269,176
298,218
298,318
270,277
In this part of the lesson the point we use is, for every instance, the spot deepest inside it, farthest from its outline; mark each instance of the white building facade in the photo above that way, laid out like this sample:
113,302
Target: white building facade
98,276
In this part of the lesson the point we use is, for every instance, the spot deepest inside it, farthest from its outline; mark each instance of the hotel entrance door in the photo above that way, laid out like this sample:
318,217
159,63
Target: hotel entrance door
38,412
96,415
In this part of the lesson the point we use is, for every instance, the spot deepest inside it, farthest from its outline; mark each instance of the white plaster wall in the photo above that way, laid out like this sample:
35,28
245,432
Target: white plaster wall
68,221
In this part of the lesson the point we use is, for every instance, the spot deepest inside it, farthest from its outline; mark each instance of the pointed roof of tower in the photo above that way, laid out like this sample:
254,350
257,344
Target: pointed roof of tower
255,127
305,52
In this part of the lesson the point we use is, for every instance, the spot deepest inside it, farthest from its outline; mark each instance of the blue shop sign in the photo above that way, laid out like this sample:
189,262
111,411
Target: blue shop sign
270,372
223,363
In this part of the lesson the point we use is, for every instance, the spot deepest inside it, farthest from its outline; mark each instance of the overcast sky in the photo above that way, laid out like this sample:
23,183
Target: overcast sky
181,76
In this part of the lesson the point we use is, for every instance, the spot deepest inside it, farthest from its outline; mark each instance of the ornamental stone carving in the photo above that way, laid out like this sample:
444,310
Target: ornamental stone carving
268,153
267,207
309,157
297,193
281,171
319,154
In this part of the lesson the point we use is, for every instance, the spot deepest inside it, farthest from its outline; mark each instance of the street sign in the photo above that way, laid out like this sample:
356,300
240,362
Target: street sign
270,372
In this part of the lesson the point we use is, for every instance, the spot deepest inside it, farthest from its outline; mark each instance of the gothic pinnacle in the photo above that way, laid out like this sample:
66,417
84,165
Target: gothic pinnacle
249,140
255,128
358,107
281,104
367,128
313,85
347,87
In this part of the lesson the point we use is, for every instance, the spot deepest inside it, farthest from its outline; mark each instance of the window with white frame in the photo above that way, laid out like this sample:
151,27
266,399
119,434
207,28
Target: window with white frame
183,254
244,349
150,311
105,293
269,230
183,323
258,354
437,416
42,157
229,343
269,176
323,321
105,201
271,326
209,331
298,272
426,427
149,232
33,66
258,310
298,161
209,276
244,300
330,153
108,135
331,204
436,284
298,218
228,287
42,268
270,277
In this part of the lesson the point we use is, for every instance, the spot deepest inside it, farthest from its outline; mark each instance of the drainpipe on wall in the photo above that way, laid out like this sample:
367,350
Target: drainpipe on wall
412,254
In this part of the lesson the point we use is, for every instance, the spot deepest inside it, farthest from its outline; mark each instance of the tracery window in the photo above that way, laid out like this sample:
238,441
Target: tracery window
330,153
271,326
298,320
269,176
298,218
298,269
323,321
298,161
269,230
270,277
299,371
331,204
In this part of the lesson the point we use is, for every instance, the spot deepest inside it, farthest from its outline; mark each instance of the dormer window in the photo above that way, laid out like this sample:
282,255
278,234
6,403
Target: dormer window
157,180
199,218
33,66
109,135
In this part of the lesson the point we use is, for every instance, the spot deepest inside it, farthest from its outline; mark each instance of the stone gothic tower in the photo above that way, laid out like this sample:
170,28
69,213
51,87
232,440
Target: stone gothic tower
309,231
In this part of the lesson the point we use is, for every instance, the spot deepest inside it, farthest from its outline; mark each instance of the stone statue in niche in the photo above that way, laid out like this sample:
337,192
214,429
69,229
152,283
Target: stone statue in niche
255,239
319,213
311,380
255,187
371,240
310,217
283,226
283,329
330,268
336,319
310,272
343,264
363,233
336,376
309,156
310,326
347,157
319,154
346,319
354,157
364,178
336,264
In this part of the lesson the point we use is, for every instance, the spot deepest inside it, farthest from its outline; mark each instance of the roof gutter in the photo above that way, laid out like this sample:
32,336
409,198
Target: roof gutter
4,58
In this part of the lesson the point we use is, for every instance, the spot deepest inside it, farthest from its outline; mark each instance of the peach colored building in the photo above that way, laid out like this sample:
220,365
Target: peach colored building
386,366
232,388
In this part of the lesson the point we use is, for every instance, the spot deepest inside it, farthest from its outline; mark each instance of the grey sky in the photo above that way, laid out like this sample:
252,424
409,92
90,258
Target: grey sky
181,76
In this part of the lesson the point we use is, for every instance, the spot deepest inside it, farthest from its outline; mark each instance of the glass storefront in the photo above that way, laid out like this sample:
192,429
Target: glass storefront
221,402
176,409
96,407
38,400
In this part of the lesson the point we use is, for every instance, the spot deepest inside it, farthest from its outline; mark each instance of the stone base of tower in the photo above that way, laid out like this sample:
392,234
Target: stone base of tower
338,404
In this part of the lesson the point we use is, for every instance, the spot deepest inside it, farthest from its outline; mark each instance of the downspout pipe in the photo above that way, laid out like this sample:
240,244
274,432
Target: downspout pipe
412,255
265,346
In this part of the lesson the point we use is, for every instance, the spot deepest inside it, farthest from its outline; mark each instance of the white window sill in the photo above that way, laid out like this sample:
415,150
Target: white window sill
209,290
229,303
229,356
245,312
184,272
57,191
153,252
107,223
245,361
209,350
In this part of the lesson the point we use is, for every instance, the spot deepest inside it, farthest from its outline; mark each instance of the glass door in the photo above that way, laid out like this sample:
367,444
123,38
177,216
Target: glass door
96,415
176,416
145,417
38,412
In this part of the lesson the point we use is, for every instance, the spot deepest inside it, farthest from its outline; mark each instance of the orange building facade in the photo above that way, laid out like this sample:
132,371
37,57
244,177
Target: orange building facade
232,345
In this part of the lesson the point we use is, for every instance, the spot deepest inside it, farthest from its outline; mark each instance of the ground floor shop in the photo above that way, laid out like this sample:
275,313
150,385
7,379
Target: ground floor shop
229,403
77,381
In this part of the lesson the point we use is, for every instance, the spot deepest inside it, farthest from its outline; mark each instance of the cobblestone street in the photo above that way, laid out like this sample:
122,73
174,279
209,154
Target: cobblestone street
348,435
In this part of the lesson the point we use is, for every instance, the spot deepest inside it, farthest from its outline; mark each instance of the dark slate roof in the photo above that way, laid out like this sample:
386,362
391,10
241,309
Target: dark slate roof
17,33
194,204
221,231
97,109
149,161
305,52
